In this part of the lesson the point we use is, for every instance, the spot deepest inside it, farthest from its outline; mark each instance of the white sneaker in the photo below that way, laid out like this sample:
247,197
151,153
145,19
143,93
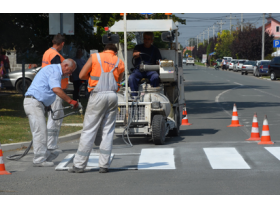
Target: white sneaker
52,156
43,164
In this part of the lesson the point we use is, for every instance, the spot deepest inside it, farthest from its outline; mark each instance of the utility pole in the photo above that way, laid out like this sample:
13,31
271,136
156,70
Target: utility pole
241,21
208,34
213,27
230,18
203,36
221,25
263,37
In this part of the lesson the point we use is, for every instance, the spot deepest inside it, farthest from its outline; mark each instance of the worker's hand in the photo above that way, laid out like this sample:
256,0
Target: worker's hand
136,54
74,103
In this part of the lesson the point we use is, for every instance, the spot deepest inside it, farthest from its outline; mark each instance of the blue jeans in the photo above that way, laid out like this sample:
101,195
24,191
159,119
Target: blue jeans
137,76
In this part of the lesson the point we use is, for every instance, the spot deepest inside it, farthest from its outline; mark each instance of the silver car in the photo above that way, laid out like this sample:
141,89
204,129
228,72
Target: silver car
13,80
248,67
239,64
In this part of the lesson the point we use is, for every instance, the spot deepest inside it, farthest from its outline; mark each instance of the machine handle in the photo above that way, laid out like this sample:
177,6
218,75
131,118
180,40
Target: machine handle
149,67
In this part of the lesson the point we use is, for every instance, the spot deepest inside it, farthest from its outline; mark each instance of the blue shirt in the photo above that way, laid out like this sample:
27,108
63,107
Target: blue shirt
45,80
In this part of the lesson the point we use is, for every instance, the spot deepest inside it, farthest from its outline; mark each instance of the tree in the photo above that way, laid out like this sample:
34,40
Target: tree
223,44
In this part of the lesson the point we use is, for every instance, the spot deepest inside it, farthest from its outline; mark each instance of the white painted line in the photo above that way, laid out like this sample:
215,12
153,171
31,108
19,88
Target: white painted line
252,95
267,93
238,83
156,159
62,165
275,151
225,158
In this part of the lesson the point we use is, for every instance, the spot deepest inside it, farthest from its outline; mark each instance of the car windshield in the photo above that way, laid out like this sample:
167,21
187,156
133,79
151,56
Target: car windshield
249,63
219,60
241,61
233,62
190,58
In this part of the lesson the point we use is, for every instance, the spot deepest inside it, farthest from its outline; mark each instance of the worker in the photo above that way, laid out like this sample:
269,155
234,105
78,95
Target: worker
224,62
42,93
104,72
152,58
52,56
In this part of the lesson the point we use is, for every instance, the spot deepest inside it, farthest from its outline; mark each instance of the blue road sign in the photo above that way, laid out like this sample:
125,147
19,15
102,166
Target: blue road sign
276,43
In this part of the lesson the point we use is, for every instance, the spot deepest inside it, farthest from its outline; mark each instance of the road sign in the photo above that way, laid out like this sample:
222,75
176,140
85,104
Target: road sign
276,43
67,23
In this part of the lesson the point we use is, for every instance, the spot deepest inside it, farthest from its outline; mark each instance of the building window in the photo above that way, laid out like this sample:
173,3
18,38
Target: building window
277,28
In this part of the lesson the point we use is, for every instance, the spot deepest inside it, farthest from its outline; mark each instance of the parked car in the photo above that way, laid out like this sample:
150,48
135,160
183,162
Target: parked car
248,67
274,68
261,68
13,80
190,61
239,64
231,64
184,60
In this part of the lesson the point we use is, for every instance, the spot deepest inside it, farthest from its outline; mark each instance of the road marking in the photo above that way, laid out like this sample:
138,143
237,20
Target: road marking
275,151
238,83
252,95
225,158
267,93
156,159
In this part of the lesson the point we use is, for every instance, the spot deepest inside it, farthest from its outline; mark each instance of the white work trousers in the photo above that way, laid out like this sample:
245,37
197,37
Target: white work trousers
35,112
53,126
100,114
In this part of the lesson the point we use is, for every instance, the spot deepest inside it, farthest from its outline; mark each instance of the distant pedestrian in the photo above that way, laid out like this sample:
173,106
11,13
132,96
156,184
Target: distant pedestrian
6,61
75,76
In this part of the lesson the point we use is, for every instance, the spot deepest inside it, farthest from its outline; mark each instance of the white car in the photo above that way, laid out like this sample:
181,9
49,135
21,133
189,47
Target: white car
231,64
190,61
184,60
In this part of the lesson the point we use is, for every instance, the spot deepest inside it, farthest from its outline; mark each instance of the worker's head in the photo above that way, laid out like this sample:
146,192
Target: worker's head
148,39
79,53
111,47
58,41
68,66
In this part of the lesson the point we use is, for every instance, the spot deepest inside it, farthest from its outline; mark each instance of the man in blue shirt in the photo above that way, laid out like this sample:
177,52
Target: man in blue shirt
42,93
151,57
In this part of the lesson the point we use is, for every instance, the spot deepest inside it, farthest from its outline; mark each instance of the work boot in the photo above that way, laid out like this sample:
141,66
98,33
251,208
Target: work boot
75,170
43,164
103,170
52,156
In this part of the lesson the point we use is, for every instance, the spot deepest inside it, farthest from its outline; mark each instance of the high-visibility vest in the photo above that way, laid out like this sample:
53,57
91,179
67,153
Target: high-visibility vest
47,58
108,60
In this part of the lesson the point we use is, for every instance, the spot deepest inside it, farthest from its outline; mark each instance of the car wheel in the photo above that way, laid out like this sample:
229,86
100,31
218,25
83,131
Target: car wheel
19,85
246,73
242,73
272,76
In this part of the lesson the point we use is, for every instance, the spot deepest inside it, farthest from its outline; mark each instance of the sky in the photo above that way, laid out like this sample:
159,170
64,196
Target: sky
197,23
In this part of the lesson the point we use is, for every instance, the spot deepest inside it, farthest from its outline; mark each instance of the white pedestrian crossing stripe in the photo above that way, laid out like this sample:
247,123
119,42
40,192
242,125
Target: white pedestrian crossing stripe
156,159
274,151
225,158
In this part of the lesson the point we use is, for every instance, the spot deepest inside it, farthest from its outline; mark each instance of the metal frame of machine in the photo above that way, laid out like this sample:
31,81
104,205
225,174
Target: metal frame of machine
144,117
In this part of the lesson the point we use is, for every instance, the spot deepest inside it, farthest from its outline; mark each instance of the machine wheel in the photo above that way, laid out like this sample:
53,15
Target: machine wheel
158,127
272,76
19,85
176,131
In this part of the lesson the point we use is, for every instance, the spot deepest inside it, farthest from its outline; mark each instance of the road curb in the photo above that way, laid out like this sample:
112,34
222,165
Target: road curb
20,145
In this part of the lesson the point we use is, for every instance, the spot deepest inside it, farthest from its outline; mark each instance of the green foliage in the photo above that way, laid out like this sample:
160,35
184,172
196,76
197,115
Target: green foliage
224,42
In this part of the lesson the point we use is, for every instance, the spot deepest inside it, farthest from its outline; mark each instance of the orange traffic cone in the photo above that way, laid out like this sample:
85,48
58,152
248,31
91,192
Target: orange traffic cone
185,120
265,133
184,111
2,165
255,134
234,120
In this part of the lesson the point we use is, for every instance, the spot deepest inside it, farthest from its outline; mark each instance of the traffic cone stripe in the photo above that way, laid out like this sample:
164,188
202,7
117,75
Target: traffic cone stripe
265,133
234,109
1,161
255,130
234,118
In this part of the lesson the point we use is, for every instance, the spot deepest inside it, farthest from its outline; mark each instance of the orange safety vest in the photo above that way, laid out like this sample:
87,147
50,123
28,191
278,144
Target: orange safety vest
108,60
47,57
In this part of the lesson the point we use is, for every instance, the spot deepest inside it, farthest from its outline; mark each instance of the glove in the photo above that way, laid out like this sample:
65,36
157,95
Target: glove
74,103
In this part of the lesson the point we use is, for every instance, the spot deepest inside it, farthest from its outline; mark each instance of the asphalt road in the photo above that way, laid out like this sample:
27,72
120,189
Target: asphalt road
198,152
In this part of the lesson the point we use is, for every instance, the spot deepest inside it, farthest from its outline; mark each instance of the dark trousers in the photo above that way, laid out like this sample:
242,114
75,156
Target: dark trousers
76,85
137,76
